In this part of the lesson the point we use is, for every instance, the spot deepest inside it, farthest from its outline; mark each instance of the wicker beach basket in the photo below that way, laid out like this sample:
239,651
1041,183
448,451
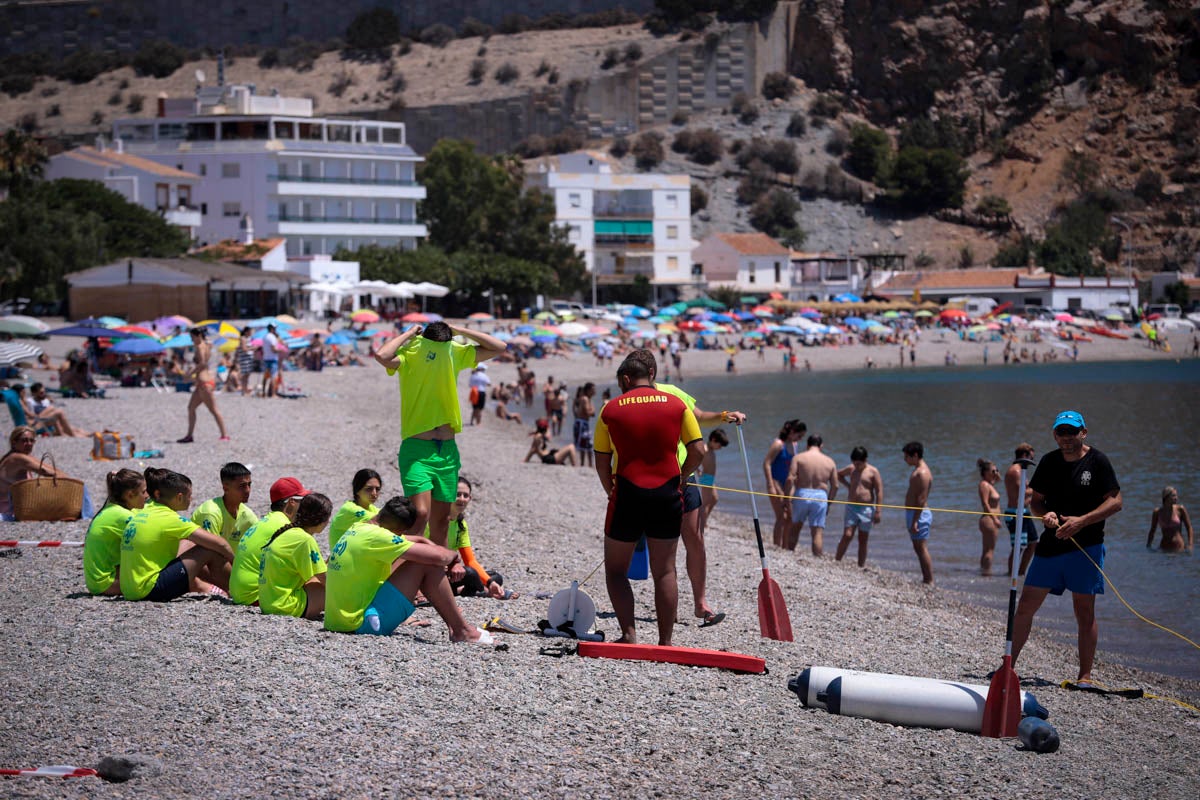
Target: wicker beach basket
47,498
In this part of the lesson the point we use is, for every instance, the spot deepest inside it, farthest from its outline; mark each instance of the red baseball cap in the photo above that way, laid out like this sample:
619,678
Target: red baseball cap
284,488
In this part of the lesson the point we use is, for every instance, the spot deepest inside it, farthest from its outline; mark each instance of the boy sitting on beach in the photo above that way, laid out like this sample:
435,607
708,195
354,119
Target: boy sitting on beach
228,515
365,594
286,494
156,563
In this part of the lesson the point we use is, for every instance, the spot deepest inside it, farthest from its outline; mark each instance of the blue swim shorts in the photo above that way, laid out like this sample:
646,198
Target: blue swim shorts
708,480
691,497
1068,572
811,506
387,610
860,516
1029,531
924,523
271,366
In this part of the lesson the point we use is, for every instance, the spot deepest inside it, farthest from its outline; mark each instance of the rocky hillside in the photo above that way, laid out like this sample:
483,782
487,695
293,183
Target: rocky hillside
1111,84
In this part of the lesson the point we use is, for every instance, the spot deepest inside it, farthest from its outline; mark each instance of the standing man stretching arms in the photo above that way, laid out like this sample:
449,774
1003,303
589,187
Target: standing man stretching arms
428,362
645,497
1074,491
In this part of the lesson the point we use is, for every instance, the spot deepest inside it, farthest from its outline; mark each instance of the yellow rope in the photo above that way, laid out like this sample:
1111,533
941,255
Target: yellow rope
983,513
1145,694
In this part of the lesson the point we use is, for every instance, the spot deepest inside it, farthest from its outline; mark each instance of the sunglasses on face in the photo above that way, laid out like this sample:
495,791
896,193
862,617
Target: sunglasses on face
1066,430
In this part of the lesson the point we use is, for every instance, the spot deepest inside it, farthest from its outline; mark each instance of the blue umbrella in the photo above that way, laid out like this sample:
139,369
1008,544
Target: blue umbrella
503,336
723,318
545,338
631,323
811,314
638,311
855,322
139,346
744,316
341,337
176,342
525,329
847,297
669,311
89,328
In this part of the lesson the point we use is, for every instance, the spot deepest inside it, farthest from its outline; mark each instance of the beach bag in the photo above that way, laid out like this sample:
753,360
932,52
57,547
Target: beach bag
111,446
47,499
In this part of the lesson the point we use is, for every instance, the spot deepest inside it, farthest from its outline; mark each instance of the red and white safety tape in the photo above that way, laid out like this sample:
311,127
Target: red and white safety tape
36,543
54,771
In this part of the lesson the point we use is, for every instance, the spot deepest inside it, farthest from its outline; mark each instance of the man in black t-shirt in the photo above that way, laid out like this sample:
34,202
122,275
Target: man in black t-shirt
1074,489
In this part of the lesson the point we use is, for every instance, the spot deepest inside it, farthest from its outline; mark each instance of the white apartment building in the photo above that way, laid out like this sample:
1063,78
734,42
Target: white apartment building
157,187
750,263
322,183
624,225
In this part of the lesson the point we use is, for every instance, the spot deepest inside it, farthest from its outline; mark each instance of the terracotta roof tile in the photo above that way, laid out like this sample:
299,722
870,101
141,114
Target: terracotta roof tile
114,158
951,279
230,250
753,244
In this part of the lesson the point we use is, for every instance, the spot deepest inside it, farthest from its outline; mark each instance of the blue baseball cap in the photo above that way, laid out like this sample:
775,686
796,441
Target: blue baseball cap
1072,418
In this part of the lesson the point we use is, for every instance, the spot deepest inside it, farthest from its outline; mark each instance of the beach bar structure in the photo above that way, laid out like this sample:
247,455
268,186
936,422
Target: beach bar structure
145,288
1020,286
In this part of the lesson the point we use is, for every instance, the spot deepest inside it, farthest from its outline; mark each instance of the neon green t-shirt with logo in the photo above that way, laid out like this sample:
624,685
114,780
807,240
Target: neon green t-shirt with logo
243,580
287,564
150,542
429,384
457,535
690,402
213,517
102,547
351,513
358,566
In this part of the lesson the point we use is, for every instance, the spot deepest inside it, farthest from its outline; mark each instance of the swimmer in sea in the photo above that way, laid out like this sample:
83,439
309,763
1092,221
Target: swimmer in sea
1173,518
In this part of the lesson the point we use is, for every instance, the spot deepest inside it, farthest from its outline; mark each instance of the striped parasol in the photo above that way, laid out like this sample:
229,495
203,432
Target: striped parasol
13,353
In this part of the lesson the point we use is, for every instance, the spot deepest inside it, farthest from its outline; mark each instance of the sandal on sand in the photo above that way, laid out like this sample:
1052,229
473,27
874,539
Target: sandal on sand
184,440
711,619
484,638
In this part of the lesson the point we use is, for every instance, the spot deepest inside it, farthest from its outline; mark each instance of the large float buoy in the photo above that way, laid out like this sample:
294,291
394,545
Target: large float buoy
900,699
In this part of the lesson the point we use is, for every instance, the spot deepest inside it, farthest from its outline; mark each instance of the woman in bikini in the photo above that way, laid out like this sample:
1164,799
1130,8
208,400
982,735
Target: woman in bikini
584,411
18,464
540,446
1173,518
989,520
204,385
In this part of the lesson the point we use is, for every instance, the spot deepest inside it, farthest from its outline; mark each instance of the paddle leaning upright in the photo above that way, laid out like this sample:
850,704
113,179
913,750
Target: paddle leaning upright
773,620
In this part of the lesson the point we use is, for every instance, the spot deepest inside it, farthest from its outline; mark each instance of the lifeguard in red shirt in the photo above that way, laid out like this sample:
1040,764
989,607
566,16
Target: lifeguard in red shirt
642,428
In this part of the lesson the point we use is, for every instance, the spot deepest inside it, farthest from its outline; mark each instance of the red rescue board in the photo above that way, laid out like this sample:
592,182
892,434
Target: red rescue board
690,656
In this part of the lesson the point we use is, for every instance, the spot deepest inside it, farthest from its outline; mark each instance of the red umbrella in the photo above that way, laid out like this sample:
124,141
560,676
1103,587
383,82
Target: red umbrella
415,316
953,312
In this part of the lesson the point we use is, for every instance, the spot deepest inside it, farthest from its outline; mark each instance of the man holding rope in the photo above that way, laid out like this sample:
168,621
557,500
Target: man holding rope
1074,489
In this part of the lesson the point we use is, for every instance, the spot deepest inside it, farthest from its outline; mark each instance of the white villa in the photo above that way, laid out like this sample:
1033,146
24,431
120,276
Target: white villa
624,225
168,190
322,183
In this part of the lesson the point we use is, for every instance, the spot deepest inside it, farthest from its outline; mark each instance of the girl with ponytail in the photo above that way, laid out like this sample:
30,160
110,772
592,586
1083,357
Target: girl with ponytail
291,577
102,545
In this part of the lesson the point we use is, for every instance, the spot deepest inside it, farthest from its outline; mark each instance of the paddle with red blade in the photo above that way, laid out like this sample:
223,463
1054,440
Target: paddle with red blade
773,621
1002,709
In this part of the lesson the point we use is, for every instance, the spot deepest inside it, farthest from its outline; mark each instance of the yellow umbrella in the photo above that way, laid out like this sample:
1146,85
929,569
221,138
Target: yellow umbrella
667,327
228,345
288,318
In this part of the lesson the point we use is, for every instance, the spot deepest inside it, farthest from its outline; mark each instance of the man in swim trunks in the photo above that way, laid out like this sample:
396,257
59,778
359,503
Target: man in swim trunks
1074,490
1012,487
812,477
693,538
643,427
427,363
270,361
865,486
918,520
367,591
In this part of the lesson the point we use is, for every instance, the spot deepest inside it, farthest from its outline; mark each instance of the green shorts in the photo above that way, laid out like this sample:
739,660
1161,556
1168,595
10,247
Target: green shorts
430,465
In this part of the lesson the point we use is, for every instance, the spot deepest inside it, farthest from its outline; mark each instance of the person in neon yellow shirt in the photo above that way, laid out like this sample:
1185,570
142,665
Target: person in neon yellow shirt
286,494
291,575
156,562
365,489
366,593
430,412
228,515
102,546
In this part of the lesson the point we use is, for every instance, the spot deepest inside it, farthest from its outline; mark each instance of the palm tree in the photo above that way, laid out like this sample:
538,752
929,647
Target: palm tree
22,160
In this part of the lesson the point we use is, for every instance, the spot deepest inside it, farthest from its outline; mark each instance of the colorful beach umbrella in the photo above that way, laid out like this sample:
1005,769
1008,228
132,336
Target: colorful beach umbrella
480,315
139,346
112,322
414,316
13,353
365,316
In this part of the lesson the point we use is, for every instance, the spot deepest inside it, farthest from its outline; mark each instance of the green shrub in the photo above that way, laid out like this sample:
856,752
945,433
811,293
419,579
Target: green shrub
55,110
299,55
18,84
84,65
680,117
135,104
1080,171
648,151
777,85
97,118
870,152
682,143
542,69
837,142
399,83
158,58
633,53
269,58
477,71
698,200
612,57
926,180
515,23
532,146
340,83
507,73
797,125
744,108
438,35
116,98
825,106
775,212
1148,187
374,29
707,147
1015,253
472,27
992,205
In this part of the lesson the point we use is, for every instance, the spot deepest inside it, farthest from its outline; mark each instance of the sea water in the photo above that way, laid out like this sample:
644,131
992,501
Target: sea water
1143,415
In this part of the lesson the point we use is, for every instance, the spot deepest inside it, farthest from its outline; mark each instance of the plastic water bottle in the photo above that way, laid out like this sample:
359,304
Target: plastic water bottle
1038,735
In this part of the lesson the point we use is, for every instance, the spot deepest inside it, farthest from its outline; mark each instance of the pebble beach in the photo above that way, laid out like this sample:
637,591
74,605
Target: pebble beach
208,699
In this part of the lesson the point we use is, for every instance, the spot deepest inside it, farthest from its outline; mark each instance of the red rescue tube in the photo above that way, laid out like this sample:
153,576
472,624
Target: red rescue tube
691,656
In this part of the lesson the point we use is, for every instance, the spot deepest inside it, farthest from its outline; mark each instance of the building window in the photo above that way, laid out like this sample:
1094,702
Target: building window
204,209
673,202
231,170
751,271
778,272
231,209
203,170
162,196
672,263
574,199
672,231
573,233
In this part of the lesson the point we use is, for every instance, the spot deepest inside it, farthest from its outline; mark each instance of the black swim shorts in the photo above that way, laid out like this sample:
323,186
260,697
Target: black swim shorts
634,512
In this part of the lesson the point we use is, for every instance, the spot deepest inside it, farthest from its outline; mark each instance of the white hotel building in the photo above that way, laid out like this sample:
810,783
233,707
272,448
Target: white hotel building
624,225
322,183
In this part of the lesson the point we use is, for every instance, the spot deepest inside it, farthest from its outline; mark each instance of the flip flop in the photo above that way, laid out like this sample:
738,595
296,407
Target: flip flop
711,619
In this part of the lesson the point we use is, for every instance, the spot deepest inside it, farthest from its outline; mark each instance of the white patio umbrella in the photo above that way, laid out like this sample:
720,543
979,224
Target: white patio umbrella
13,353
19,325
426,289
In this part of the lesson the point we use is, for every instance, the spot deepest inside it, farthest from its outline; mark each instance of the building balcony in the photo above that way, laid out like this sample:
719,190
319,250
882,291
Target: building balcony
400,227
366,188
625,212
354,181
627,242
183,216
